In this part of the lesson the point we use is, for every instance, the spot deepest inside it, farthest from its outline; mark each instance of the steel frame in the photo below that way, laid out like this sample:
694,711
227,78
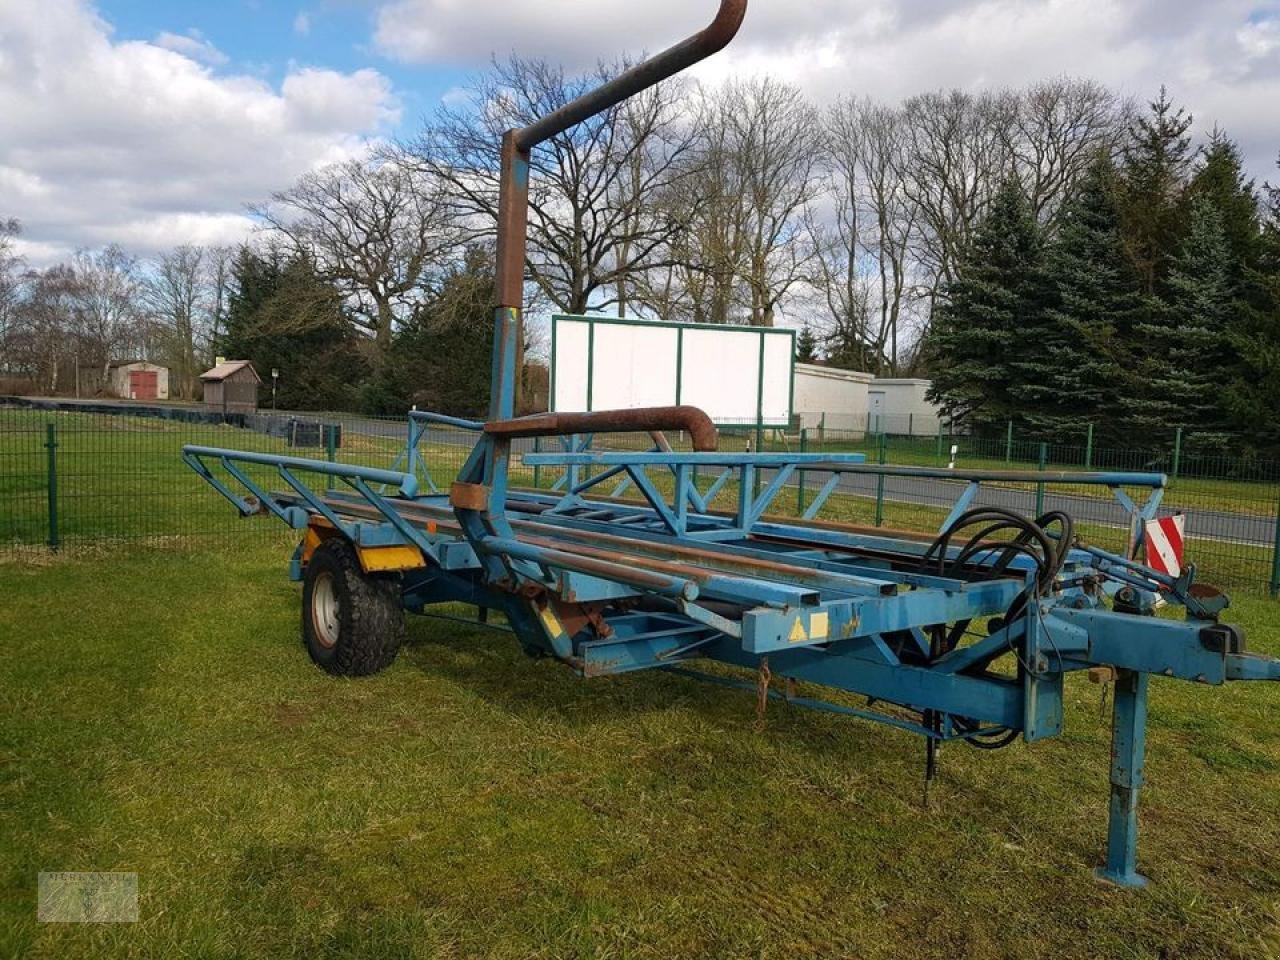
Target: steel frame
610,586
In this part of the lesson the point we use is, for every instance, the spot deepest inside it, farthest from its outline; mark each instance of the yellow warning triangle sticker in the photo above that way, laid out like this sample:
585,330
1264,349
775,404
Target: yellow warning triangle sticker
797,632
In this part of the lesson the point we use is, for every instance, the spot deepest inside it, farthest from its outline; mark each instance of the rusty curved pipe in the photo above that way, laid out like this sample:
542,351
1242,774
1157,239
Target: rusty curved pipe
513,189
702,432
630,82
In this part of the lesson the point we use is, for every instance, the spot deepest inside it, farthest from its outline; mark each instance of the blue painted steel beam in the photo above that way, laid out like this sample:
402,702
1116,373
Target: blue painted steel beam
611,458
1171,648
405,483
854,463
1248,666
426,416
1128,757
993,700
765,631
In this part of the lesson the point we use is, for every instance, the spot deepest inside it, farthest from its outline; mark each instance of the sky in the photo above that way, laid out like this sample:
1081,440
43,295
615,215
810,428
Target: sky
150,124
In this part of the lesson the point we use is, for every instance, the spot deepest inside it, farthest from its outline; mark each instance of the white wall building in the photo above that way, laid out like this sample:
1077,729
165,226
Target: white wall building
898,406
831,398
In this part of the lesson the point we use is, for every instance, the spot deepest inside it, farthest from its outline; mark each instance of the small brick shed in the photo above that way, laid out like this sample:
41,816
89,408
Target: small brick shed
231,387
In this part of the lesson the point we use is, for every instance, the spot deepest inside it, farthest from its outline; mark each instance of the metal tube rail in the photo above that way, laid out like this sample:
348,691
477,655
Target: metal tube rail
513,189
406,483
678,588
426,416
1083,477
702,432
836,463
657,68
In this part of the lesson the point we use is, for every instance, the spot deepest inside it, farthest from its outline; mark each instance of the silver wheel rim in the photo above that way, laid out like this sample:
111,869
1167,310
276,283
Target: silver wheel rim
325,610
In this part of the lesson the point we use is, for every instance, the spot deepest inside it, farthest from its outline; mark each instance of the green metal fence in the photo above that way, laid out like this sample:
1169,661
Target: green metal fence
70,479
1231,503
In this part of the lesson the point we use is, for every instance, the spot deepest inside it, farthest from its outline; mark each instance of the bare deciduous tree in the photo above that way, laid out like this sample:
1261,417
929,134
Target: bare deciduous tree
957,152
659,158
590,220
10,280
775,138
1057,130
107,311
874,223
750,179
177,295
41,336
373,229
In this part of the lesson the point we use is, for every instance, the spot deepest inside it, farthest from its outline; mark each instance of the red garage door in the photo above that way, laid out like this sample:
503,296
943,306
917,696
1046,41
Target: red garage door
142,384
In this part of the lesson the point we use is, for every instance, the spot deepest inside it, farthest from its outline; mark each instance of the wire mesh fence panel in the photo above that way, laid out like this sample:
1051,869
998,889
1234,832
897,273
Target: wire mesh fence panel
69,478
24,481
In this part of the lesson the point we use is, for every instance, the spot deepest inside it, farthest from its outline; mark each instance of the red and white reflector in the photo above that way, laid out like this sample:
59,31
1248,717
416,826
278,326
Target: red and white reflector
1163,543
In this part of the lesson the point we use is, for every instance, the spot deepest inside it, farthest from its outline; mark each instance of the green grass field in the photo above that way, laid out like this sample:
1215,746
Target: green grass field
160,716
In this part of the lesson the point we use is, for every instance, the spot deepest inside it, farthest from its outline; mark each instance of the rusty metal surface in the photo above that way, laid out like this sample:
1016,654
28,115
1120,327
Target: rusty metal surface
469,496
711,565
674,559
513,189
581,563
701,430
513,215
654,70
513,199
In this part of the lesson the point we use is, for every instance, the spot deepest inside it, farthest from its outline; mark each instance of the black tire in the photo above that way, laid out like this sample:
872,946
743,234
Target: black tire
352,623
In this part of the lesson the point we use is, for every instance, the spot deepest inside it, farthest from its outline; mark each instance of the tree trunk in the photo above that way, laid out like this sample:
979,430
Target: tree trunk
382,336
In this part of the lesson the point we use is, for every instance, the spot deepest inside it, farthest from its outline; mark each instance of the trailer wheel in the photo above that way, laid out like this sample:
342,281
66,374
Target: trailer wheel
352,623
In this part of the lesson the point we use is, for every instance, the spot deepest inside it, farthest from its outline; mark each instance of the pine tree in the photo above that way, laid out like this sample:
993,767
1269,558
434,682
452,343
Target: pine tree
1251,396
1220,180
281,315
1074,371
442,353
806,346
255,279
1153,177
979,332
1185,341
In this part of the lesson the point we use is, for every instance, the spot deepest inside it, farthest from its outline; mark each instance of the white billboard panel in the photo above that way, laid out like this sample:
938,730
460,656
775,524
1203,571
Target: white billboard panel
777,379
572,347
736,374
620,380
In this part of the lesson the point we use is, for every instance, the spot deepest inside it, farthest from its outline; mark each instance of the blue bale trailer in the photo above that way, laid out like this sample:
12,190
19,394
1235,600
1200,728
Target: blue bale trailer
966,635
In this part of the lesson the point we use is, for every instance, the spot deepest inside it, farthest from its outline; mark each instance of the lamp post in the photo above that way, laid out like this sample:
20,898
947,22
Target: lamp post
275,375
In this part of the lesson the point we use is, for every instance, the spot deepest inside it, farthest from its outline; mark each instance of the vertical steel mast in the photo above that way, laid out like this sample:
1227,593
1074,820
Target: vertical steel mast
513,196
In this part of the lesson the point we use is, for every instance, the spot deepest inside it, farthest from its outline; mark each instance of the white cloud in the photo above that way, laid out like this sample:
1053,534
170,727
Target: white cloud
456,97
1259,39
302,23
1222,59
191,44
142,144
157,231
